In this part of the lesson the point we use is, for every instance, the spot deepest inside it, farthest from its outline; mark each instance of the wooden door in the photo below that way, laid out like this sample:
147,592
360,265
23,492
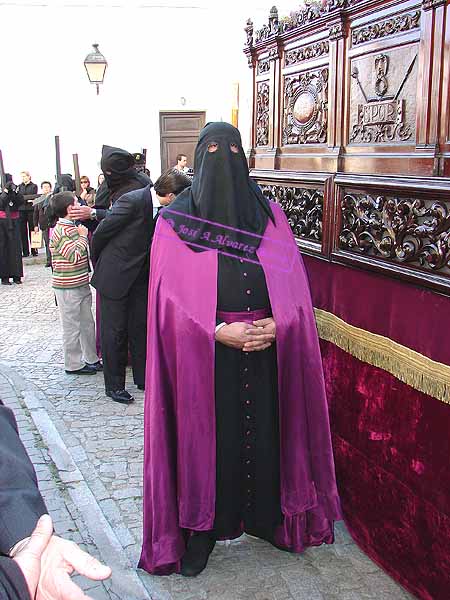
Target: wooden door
179,134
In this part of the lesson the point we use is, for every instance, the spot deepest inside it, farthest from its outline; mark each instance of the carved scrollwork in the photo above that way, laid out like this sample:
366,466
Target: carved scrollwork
263,66
314,9
306,108
298,55
303,208
274,54
398,24
262,114
430,4
249,32
336,31
272,29
399,229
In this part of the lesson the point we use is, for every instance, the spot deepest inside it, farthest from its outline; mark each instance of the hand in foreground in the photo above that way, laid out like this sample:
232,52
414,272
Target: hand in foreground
79,213
82,230
263,333
238,335
46,562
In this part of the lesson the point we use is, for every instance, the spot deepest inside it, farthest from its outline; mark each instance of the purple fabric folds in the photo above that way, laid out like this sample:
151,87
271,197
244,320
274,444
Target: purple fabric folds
179,438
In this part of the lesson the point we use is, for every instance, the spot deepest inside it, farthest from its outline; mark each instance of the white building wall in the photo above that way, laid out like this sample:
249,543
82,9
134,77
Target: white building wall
156,56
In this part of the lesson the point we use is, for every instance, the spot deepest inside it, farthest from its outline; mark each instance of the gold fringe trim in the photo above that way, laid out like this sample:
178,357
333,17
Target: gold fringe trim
418,371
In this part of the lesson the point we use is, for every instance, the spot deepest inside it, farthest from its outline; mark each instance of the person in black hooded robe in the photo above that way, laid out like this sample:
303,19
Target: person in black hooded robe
10,240
247,465
120,177
120,248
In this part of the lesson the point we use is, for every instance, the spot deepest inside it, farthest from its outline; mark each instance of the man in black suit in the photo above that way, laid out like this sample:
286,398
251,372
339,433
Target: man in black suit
120,250
31,557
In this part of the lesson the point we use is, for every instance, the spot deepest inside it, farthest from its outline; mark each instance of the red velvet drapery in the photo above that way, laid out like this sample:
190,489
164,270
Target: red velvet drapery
391,442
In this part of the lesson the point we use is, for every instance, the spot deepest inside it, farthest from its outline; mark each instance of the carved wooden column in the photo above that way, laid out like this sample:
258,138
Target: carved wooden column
445,119
252,65
336,35
430,70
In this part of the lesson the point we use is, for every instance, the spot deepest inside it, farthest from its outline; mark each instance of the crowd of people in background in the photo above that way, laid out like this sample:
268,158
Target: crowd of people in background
104,232
23,211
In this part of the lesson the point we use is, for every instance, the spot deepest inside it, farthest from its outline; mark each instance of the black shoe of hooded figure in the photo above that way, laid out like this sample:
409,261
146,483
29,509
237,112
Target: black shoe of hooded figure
198,548
17,280
6,281
86,370
121,396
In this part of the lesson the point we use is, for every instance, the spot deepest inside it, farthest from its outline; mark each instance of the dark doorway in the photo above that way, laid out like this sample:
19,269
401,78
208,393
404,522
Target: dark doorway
179,133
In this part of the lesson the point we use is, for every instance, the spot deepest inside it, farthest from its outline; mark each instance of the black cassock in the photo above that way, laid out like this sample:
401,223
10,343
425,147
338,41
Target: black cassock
10,242
247,430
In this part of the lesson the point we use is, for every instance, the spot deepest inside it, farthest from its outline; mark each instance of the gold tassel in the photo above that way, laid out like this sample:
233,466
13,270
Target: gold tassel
414,369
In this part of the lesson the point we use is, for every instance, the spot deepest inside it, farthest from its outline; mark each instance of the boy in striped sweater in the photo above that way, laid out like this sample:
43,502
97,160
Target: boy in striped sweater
70,261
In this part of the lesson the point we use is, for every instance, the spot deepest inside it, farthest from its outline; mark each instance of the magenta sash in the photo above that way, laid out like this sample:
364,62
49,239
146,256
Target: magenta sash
243,317
12,215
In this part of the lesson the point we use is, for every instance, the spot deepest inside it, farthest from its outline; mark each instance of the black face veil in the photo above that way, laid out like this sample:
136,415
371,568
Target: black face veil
227,209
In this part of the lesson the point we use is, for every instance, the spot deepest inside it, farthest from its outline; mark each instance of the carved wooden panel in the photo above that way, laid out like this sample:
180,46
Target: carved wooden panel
383,97
415,231
303,208
358,105
299,55
263,66
262,114
386,27
306,107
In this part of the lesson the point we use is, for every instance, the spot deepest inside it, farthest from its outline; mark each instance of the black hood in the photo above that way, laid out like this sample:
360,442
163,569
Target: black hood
117,166
222,193
65,184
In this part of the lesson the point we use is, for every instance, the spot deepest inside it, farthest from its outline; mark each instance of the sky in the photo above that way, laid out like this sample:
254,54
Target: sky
158,53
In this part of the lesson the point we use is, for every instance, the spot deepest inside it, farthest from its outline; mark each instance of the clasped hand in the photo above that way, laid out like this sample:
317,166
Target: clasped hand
248,338
47,561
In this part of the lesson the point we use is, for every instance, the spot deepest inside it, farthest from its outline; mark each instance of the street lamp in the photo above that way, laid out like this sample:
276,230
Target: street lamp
95,64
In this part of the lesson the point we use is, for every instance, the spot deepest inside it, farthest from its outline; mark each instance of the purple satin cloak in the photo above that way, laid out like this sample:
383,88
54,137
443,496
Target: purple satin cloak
179,420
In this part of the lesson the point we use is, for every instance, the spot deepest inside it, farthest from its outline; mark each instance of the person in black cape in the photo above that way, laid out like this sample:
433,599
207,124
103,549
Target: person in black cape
247,464
10,236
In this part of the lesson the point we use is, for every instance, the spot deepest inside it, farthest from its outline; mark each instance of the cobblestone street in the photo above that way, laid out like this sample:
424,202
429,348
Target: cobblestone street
87,451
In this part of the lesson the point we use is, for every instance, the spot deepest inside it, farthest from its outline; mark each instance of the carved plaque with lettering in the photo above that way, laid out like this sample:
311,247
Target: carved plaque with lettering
383,97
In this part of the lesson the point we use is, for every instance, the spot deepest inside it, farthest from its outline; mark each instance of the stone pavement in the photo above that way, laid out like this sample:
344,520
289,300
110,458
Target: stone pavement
87,452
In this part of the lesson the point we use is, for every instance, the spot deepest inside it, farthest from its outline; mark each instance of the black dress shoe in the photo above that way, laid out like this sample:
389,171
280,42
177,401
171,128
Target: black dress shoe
97,366
48,265
199,547
86,370
17,280
140,387
121,396
6,282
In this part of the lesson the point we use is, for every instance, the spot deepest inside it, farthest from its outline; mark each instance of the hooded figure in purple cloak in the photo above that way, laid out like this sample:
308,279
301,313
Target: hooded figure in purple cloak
237,437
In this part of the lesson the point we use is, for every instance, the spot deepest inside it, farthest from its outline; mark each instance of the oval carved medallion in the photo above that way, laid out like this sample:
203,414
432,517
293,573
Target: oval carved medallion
304,107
